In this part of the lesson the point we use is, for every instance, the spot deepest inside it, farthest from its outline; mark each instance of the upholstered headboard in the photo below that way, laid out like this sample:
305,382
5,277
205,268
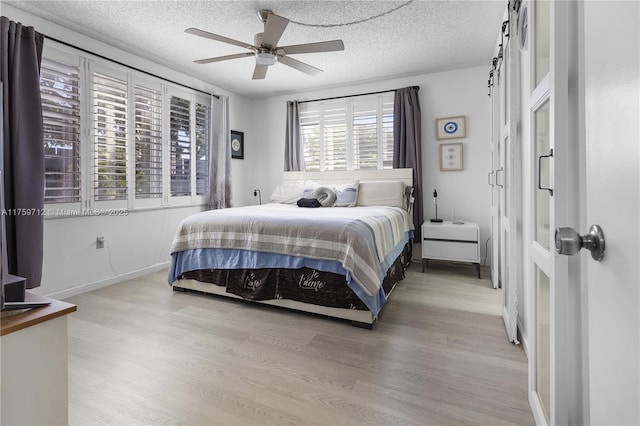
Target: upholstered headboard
389,187
341,177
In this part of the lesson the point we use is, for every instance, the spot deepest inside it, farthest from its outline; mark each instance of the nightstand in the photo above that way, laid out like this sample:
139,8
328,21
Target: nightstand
449,241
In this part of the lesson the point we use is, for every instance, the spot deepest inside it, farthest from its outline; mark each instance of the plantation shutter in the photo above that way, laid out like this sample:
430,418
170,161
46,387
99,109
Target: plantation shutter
348,134
334,131
365,133
310,133
180,125
148,146
60,92
110,137
203,128
386,107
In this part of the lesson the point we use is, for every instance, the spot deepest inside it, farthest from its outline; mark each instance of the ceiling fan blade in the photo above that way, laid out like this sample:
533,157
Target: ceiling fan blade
223,58
273,29
300,66
260,72
217,37
322,46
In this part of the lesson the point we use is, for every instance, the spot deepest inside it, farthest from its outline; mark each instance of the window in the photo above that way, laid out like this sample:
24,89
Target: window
136,140
311,136
334,134
110,137
180,122
373,132
348,134
60,92
148,125
203,118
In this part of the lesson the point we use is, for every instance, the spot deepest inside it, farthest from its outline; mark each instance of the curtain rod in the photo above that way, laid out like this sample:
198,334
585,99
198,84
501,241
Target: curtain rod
351,96
128,66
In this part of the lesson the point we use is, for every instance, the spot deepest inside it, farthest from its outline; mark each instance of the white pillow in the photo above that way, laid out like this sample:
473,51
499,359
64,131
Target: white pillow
287,194
346,195
387,193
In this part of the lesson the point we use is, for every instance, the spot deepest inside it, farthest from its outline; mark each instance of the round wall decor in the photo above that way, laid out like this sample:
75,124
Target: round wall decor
523,25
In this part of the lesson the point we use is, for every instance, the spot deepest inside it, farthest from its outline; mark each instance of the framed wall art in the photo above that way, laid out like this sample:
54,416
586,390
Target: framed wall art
450,127
450,156
237,144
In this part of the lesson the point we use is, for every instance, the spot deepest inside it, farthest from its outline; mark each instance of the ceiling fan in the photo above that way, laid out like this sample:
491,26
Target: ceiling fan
266,49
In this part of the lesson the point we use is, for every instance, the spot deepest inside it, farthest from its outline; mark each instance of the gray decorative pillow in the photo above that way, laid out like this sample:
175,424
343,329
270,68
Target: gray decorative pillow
325,195
346,195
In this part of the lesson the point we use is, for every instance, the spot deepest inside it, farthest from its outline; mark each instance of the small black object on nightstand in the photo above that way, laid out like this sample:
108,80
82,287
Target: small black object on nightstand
435,202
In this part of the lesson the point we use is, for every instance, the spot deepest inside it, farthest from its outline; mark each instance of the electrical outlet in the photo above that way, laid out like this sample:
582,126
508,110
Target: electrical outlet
99,242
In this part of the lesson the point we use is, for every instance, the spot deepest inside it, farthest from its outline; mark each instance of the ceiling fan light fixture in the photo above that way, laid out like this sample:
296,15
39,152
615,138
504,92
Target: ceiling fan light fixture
266,49
266,58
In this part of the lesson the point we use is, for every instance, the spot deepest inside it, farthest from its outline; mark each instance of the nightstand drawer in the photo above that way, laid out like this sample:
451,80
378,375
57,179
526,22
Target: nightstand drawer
450,232
450,250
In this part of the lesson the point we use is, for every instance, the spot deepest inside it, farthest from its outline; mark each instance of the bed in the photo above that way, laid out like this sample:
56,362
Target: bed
342,260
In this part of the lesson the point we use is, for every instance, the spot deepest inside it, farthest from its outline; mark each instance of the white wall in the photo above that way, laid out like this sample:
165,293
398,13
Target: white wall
452,93
136,244
241,116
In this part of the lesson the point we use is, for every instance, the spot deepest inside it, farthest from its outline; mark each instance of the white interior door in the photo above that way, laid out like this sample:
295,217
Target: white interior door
503,181
545,109
512,216
612,134
508,214
506,169
584,354
495,186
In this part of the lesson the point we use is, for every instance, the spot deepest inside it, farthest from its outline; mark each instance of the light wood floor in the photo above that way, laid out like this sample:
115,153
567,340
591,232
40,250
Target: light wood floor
140,353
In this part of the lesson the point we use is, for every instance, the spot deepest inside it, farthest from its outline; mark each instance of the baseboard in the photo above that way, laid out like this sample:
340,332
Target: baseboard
84,288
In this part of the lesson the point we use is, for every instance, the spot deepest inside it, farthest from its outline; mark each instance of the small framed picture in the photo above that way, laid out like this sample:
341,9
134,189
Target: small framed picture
450,156
450,128
237,144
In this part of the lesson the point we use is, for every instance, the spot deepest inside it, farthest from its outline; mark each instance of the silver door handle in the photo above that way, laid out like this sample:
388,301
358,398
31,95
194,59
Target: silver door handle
569,242
490,180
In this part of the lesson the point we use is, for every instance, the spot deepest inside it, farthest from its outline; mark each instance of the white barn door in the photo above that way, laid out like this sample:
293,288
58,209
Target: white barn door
505,177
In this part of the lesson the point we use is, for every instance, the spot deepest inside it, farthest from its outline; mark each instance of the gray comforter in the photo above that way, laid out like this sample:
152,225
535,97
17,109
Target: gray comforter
359,238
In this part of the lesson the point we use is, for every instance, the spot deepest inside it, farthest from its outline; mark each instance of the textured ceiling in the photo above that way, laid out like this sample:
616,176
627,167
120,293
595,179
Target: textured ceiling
422,37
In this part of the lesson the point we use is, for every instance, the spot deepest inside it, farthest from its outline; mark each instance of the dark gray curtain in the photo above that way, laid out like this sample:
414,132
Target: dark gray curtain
20,57
407,143
293,158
